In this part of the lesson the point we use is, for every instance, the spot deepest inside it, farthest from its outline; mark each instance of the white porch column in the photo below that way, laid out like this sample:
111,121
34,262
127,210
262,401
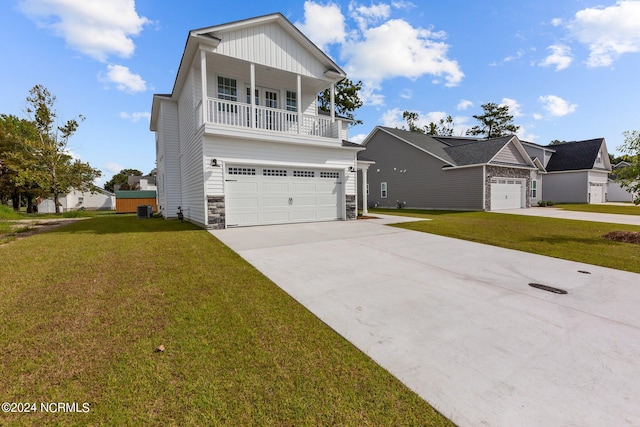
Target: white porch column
203,82
333,102
298,101
252,96
365,202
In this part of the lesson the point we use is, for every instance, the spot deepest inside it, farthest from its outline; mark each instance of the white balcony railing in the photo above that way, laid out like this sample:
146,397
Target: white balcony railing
237,114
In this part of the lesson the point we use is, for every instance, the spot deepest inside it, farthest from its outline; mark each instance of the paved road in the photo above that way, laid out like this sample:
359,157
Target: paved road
459,324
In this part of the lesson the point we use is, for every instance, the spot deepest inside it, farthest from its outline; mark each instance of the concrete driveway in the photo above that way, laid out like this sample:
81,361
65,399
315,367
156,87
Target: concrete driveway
581,216
459,324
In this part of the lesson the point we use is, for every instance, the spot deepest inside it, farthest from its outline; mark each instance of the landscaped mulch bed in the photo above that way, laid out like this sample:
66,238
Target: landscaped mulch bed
623,236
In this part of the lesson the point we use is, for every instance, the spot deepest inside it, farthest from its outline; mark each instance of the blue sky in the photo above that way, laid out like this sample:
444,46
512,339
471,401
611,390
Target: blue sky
568,69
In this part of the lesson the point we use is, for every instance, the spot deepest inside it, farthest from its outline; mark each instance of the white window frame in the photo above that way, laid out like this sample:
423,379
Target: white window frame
291,101
230,84
384,191
534,188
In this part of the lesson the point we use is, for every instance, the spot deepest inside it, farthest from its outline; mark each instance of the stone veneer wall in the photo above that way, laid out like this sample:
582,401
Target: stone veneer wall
350,200
499,172
215,210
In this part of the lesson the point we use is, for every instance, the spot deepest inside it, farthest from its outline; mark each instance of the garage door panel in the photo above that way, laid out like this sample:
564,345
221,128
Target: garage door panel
275,187
506,194
277,196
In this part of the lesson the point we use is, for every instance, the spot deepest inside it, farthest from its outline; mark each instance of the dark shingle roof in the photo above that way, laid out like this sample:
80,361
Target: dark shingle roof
575,155
457,151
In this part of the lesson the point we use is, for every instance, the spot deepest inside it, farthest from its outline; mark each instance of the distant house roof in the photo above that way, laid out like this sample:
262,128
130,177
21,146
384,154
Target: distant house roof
459,151
576,155
135,194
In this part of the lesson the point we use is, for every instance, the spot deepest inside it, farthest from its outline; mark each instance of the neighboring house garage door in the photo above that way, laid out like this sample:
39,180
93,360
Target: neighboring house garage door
596,193
506,193
257,195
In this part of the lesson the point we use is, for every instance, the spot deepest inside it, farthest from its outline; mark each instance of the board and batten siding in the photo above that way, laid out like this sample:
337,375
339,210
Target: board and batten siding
191,157
272,46
169,186
238,151
417,178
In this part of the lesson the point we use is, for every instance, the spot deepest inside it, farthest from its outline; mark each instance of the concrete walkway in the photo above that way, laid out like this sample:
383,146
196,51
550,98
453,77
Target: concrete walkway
459,324
581,216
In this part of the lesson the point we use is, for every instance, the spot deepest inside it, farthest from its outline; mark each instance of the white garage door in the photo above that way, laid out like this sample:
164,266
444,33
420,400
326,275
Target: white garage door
257,195
506,193
596,193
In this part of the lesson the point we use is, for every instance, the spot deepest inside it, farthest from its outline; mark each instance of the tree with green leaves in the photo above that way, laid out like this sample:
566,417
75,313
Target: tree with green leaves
629,176
53,168
494,122
121,179
346,99
444,128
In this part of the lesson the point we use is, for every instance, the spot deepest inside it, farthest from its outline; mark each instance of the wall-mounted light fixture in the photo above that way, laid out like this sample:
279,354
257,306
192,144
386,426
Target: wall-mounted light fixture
351,169
214,162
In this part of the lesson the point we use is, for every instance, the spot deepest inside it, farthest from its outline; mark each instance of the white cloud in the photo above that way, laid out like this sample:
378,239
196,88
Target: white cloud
113,167
323,24
608,32
560,57
393,118
396,49
366,16
464,104
537,116
557,106
97,28
357,139
514,107
556,22
135,117
124,79
518,55
406,94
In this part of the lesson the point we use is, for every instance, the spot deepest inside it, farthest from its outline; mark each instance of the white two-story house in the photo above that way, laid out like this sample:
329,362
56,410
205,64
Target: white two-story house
240,140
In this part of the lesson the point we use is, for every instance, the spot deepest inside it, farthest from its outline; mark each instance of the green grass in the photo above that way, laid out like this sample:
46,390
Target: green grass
629,209
566,239
84,306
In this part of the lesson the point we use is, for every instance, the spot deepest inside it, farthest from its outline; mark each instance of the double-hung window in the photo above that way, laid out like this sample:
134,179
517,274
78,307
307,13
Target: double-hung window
383,190
534,188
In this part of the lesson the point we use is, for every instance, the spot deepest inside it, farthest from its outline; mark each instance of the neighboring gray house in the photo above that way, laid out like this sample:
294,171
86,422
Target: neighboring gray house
571,172
415,170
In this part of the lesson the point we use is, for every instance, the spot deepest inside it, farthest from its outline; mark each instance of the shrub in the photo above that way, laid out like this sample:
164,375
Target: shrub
6,212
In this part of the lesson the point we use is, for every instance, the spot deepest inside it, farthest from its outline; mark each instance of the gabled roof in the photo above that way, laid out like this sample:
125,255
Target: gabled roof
209,38
459,151
578,155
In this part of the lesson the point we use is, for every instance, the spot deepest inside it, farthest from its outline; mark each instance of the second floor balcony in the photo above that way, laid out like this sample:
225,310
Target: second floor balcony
239,115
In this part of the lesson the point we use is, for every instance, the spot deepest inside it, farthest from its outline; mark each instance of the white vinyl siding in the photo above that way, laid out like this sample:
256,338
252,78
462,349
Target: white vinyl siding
192,160
169,185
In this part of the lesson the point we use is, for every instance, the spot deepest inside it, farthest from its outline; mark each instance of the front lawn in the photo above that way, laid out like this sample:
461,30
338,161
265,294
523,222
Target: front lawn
85,307
580,241
629,209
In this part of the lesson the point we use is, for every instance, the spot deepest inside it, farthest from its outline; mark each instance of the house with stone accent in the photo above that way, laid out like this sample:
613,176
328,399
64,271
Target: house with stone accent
240,139
413,170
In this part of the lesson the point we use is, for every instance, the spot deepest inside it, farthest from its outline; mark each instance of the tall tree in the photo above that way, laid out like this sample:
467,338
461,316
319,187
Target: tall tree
346,99
494,122
444,128
55,169
121,178
629,176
